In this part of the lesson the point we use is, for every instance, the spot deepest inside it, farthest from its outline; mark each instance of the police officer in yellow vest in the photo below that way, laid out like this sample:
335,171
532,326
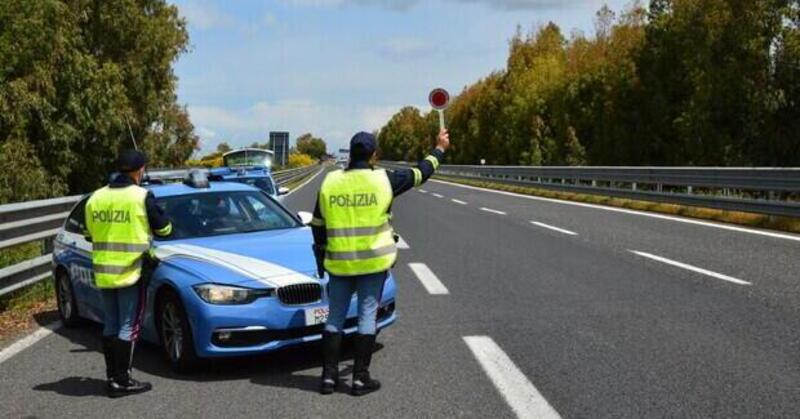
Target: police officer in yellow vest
354,238
120,219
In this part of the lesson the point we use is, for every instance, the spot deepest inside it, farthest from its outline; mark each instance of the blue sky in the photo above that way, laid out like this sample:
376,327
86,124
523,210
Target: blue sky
335,67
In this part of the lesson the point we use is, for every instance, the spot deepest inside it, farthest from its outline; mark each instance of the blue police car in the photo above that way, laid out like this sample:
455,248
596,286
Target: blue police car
251,166
236,277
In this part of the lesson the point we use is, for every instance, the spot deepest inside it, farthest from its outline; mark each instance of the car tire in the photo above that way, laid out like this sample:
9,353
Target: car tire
65,299
175,333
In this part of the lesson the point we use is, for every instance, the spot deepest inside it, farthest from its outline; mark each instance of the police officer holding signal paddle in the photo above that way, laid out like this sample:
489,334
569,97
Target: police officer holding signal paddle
355,244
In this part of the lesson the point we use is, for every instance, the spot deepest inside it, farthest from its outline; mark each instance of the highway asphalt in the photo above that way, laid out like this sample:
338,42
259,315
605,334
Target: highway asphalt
512,306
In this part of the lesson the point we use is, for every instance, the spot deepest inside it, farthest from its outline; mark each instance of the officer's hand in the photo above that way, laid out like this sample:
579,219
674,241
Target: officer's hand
443,141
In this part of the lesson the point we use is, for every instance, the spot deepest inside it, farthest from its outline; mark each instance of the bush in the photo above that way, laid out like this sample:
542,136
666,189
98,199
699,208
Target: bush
299,160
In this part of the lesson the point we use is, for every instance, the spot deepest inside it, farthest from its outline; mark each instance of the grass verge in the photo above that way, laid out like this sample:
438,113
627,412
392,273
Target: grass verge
771,222
26,309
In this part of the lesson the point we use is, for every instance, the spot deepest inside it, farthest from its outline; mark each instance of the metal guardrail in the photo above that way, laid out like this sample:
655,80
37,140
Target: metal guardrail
289,175
36,221
757,190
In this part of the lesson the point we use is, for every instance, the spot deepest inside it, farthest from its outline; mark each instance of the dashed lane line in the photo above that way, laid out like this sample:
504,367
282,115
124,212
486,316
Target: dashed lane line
437,195
554,228
459,202
792,237
422,191
691,268
402,244
523,397
428,279
493,211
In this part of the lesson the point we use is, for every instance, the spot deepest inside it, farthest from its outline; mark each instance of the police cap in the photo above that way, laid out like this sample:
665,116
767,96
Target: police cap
130,161
362,145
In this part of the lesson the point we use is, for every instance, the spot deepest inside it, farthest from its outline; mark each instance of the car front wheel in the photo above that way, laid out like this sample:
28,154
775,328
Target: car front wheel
175,333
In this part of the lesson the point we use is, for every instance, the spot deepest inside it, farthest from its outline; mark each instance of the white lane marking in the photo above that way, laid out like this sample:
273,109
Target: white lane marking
401,244
493,211
422,191
28,341
691,268
560,230
459,202
428,279
523,397
304,183
633,212
437,195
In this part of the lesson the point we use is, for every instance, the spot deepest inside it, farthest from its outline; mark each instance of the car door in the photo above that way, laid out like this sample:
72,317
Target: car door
77,257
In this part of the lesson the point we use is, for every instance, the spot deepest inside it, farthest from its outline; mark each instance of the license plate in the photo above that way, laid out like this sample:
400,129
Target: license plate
317,315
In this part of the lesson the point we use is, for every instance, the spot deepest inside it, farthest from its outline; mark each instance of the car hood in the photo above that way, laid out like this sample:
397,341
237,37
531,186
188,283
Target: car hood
275,258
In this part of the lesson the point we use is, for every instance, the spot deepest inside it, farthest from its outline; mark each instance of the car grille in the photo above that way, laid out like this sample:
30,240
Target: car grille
300,294
262,337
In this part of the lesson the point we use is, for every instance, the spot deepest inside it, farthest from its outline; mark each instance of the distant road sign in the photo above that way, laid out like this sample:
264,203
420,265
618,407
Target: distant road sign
439,99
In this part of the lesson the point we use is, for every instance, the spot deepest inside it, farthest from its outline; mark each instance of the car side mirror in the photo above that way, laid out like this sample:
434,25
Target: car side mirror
283,190
305,217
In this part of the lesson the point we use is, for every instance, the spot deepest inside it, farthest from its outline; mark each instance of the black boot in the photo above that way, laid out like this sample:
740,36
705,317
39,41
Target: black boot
122,384
362,382
108,354
331,344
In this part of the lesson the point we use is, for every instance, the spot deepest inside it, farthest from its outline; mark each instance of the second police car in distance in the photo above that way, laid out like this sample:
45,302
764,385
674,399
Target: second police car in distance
236,277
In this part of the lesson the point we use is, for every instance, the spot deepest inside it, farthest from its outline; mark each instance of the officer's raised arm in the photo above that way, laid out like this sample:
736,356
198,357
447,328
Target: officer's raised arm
404,179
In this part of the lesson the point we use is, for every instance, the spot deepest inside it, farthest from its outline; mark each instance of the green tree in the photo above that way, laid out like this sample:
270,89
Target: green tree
79,77
310,145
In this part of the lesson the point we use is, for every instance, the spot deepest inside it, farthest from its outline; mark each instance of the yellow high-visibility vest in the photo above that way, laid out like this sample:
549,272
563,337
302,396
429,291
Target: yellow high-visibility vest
117,222
355,208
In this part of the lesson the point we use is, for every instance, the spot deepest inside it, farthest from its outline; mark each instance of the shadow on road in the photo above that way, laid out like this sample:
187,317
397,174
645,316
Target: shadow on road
75,387
295,368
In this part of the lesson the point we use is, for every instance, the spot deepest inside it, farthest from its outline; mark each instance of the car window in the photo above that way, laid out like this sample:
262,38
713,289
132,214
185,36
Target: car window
218,213
76,222
261,183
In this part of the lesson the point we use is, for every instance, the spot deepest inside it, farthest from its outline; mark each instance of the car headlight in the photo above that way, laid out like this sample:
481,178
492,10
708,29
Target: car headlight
227,294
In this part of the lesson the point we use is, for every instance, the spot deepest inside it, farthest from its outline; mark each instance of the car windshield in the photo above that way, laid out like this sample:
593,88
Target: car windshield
259,182
218,213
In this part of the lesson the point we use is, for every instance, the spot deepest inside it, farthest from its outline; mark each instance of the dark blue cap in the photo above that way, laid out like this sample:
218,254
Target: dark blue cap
362,145
130,161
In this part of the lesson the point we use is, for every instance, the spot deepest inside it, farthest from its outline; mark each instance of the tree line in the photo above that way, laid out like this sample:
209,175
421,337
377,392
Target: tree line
306,150
673,82
80,80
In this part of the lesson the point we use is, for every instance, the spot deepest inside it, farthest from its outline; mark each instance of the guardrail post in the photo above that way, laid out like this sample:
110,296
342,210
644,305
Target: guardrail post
633,186
689,189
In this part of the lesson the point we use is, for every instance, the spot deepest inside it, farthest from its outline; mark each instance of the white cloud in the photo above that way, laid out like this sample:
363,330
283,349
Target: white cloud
240,127
205,16
399,5
204,132
375,117
524,4
270,20
403,5
404,46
